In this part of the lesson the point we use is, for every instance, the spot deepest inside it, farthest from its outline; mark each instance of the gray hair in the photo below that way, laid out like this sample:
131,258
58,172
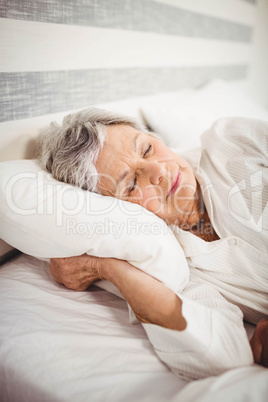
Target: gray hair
69,151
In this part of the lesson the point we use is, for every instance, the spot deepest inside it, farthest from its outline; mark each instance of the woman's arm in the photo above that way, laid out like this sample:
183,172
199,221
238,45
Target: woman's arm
151,301
213,340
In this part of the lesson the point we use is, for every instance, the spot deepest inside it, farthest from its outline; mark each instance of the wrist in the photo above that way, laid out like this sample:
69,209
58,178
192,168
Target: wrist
104,268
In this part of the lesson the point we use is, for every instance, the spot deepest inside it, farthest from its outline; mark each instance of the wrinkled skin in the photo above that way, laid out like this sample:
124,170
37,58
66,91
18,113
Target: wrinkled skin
76,273
150,170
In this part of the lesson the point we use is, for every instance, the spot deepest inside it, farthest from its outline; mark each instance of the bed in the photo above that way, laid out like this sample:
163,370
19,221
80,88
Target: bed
60,345
57,344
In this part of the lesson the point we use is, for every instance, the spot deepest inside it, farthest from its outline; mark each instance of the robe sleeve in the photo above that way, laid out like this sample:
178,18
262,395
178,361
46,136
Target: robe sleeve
214,340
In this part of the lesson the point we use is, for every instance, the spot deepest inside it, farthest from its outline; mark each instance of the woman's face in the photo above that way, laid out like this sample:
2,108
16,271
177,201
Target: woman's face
136,167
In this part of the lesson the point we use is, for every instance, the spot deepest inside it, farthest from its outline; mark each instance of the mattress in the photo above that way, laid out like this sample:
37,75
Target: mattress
60,345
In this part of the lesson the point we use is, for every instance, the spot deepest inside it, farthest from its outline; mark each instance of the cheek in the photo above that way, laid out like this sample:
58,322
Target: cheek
188,185
150,199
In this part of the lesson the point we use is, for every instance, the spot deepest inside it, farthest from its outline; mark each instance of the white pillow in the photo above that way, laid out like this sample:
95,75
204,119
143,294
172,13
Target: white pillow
182,118
45,218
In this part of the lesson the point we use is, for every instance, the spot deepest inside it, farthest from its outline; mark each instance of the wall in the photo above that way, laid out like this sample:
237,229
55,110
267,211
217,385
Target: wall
258,74
59,55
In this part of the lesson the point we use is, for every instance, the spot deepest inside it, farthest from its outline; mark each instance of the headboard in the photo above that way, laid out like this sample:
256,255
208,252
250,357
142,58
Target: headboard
58,56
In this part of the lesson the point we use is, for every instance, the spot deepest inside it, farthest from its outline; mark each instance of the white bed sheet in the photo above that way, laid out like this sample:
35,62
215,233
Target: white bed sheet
61,345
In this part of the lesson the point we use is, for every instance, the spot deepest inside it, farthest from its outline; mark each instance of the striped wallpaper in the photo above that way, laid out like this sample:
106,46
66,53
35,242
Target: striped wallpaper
59,55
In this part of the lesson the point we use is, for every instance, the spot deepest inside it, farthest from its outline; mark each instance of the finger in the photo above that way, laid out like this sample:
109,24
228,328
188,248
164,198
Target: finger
265,356
256,348
263,328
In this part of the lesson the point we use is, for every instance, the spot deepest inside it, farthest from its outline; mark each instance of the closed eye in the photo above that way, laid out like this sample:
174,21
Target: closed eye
135,180
134,185
147,150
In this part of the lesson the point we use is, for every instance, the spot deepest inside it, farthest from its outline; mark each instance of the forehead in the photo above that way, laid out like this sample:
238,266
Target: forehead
116,154
120,140
119,136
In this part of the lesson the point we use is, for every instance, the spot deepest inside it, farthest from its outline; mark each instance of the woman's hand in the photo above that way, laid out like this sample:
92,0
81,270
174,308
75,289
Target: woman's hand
76,273
259,343
151,301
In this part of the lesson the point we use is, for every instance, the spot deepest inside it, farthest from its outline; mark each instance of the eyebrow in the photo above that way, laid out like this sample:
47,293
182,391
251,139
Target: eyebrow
124,174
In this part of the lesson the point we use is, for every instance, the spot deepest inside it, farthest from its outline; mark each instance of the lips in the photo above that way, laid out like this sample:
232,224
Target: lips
175,184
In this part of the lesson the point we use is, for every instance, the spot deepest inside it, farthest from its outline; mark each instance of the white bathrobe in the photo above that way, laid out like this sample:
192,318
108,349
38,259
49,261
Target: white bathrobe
232,170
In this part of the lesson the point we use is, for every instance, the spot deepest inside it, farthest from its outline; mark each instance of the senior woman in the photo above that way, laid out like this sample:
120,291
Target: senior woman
207,197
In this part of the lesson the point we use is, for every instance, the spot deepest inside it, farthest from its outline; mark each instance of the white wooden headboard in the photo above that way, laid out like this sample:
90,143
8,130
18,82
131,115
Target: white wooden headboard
57,57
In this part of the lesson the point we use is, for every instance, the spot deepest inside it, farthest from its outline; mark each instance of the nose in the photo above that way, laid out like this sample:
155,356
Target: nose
153,170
